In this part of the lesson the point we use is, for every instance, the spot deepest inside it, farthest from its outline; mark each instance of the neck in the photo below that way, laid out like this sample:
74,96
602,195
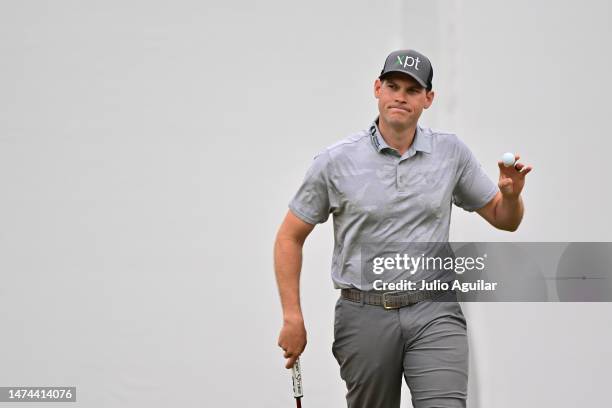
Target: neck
399,138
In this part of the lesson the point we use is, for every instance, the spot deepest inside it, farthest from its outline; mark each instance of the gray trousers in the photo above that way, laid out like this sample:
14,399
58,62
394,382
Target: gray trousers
426,342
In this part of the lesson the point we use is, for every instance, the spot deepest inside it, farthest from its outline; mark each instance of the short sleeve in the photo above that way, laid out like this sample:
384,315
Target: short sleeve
474,189
312,201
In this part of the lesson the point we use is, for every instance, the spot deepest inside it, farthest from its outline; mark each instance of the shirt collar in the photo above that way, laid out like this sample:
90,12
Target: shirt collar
421,142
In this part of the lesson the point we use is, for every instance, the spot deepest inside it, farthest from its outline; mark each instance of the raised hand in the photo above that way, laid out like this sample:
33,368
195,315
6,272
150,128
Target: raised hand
512,178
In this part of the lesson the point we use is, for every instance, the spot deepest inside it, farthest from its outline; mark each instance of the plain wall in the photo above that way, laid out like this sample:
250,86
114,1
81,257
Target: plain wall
148,151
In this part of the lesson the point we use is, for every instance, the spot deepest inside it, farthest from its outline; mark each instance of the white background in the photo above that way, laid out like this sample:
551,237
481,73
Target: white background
148,151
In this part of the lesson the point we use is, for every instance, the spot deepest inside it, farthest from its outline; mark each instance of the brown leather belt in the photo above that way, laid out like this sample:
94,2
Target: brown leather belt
391,300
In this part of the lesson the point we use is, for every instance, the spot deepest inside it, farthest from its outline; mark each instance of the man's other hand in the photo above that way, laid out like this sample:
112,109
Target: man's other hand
292,340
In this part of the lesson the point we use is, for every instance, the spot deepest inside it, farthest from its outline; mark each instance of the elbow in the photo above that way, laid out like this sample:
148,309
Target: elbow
509,227
285,239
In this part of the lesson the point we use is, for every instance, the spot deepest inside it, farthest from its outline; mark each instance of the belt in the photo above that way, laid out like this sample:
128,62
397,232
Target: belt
391,300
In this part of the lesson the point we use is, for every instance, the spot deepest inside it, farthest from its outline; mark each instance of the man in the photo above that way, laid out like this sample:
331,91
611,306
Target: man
392,183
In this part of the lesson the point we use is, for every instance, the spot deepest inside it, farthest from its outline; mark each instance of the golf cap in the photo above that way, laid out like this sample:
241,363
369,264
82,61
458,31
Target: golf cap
411,63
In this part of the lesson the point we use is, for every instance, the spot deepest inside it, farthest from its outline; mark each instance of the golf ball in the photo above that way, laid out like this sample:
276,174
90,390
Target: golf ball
508,159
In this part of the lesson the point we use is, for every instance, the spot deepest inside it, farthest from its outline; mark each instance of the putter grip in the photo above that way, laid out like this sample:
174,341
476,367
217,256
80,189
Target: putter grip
296,374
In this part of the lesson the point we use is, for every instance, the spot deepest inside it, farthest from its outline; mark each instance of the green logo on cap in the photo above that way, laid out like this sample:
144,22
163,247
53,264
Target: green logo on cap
408,62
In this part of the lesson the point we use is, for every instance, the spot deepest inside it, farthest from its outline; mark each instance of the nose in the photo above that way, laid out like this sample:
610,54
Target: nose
399,97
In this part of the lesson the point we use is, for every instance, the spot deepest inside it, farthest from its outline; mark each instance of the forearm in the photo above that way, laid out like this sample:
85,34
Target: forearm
509,213
287,266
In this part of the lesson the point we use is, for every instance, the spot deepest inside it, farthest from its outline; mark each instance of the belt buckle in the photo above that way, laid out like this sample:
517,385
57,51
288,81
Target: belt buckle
384,300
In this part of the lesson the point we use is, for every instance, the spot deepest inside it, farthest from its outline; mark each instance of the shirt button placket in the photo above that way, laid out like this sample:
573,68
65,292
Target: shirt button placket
399,177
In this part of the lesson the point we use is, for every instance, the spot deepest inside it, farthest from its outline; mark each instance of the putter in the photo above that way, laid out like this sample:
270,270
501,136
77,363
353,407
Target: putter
296,374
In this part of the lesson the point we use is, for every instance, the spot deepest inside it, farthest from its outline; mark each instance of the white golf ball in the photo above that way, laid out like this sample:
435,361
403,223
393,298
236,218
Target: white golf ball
508,159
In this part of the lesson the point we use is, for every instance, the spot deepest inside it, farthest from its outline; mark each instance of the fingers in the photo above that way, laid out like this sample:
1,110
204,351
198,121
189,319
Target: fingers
503,167
291,355
521,168
291,361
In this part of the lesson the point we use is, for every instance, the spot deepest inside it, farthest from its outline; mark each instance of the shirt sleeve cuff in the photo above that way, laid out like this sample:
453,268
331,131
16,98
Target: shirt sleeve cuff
485,201
300,214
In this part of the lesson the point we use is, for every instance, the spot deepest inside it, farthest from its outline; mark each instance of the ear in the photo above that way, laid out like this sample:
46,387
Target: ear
430,97
377,86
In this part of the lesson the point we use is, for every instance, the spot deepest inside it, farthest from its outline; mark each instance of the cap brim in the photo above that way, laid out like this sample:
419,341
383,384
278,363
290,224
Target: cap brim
424,85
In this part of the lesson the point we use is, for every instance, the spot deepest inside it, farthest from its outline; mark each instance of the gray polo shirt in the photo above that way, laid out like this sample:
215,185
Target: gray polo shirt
377,195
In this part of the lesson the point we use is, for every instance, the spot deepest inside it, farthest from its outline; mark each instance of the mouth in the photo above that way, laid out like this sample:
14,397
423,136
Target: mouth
397,108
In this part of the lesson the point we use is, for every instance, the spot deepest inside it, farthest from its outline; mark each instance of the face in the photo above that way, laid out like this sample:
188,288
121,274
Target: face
401,100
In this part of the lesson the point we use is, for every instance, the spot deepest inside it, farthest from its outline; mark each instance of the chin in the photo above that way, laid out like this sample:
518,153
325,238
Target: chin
395,122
